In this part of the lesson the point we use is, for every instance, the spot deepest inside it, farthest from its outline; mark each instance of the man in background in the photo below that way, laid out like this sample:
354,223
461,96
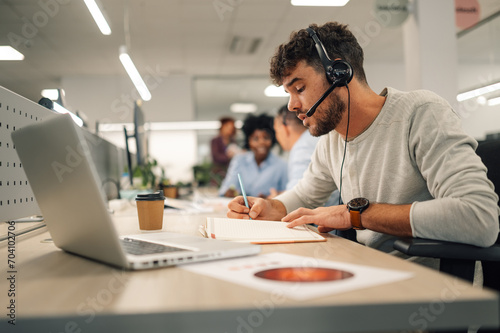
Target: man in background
293,137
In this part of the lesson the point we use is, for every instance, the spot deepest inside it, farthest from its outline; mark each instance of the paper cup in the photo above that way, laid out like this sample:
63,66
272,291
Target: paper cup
150,211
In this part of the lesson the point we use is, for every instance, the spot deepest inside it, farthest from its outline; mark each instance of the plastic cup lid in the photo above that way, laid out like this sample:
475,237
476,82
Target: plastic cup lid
150,196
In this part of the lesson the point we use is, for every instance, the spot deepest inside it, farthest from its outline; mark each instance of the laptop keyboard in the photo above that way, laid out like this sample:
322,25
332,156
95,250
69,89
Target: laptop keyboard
138,247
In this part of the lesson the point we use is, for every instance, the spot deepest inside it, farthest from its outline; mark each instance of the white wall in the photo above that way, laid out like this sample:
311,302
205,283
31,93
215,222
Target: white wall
176,151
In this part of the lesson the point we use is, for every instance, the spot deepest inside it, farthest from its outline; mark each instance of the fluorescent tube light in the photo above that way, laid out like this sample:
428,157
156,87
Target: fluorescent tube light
478,92
273,91
60,109
98,17
243,107
134,74
494,101
324,3
9,53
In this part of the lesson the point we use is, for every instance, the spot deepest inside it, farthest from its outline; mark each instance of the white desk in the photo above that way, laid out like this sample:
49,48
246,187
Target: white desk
60,292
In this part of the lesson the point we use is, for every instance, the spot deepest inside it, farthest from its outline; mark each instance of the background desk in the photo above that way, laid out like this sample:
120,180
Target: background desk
59,292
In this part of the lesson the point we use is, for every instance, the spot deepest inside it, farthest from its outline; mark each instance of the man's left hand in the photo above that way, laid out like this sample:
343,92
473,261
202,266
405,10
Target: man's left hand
326,218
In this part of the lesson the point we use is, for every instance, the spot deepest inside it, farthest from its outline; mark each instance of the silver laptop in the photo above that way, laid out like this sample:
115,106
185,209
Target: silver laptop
57,162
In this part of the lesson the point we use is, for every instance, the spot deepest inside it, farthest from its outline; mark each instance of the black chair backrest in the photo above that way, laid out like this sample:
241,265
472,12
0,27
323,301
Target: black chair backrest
489,151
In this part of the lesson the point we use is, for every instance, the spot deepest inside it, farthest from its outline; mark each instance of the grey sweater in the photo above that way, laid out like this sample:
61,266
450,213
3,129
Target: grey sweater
415,152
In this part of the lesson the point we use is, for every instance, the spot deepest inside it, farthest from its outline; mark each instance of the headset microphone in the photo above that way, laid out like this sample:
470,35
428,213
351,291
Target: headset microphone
338,72
325,95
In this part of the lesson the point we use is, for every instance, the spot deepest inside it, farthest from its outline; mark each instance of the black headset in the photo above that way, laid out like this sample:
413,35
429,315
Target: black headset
338,72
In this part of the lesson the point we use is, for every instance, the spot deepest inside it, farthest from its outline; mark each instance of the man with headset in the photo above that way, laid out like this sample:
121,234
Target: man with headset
400,160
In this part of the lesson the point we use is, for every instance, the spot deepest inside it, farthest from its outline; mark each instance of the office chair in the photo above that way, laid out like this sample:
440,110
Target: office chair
459,259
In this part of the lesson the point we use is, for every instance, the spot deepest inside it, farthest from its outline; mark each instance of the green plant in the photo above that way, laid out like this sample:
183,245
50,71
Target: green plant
208,174
145,172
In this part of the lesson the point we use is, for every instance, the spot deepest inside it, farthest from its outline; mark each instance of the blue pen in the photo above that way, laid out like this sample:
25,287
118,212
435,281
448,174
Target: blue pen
244,194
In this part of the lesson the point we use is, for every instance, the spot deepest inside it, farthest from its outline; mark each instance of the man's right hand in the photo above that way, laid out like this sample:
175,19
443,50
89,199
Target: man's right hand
260,209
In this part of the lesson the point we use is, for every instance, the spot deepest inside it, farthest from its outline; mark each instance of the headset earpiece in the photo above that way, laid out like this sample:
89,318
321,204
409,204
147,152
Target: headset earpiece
337,71
341,72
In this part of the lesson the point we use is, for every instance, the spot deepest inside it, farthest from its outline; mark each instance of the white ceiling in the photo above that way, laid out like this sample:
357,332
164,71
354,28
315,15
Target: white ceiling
181,37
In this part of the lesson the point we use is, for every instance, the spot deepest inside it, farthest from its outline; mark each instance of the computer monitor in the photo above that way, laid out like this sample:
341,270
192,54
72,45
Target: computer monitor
141,139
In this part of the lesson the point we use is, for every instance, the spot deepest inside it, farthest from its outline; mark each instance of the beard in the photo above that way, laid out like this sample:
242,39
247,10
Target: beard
328,117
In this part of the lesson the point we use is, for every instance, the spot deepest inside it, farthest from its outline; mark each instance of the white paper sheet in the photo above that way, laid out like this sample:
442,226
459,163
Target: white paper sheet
241,271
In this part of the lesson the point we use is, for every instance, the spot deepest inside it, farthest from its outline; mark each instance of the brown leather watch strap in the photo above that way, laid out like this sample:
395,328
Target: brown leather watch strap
356,220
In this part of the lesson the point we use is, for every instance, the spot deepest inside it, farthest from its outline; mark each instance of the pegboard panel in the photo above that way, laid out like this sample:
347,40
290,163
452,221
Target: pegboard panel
16,197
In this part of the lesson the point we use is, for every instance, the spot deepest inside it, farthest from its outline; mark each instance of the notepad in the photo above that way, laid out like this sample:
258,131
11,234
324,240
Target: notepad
259,231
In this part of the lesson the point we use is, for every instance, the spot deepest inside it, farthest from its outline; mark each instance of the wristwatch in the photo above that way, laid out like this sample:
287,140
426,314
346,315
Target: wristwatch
356,207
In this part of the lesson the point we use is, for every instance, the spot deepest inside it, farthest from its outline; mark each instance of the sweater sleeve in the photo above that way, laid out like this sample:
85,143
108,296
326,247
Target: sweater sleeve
464,208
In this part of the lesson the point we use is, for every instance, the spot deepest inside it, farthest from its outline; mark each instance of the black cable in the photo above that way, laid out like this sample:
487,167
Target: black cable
345,144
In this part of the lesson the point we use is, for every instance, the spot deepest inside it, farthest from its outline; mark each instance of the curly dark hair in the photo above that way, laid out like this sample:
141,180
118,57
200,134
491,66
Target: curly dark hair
260,122
339,42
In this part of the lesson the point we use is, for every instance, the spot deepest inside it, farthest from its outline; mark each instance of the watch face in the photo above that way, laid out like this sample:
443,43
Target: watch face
358,203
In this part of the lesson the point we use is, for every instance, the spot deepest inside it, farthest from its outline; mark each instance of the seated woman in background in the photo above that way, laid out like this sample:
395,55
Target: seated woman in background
259,168
219,145
223,147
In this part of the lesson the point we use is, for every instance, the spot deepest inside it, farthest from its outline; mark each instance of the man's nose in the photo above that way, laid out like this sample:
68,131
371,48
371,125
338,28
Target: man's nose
294,104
